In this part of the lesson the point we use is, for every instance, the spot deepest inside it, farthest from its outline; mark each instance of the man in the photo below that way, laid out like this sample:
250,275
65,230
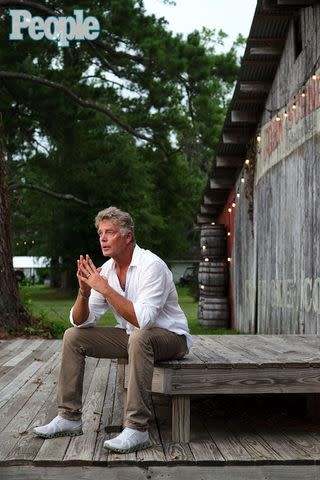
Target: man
138,287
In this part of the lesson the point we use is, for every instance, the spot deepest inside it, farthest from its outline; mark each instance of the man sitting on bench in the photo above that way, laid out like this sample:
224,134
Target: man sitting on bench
138,287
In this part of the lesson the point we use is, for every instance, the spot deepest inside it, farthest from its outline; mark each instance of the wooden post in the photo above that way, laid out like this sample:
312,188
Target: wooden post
181,418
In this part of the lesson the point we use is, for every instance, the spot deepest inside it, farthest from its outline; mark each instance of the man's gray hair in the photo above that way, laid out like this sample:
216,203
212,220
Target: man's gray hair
115,215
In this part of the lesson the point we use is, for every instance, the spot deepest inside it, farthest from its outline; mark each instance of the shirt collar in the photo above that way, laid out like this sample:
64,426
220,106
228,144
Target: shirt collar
137,252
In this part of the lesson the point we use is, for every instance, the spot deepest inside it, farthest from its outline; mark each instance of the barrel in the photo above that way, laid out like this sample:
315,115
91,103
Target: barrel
213,241
213,278
214,312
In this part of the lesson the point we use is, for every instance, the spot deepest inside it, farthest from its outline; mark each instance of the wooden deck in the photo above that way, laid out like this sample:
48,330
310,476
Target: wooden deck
250,436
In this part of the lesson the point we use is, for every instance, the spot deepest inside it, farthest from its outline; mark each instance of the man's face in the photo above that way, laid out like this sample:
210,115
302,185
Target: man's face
112,242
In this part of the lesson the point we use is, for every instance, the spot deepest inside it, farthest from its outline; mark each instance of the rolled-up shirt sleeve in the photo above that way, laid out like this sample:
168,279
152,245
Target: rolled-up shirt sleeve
153,291
97,307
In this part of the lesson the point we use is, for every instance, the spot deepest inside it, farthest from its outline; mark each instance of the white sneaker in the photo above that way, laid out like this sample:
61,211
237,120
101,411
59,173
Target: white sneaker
129,440
59,427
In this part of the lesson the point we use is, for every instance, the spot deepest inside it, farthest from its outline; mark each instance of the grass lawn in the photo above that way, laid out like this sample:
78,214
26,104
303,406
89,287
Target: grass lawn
52,306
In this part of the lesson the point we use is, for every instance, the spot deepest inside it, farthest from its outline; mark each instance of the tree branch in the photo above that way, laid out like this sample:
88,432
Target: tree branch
61,196
82,103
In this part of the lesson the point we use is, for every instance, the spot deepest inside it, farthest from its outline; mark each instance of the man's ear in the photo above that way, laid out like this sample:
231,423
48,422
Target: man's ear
129,237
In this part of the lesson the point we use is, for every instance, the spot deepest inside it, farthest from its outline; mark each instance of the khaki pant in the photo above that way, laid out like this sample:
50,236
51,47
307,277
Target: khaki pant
142,348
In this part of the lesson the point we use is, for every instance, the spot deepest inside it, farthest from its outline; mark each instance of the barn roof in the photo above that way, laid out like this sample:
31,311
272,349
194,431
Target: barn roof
259,65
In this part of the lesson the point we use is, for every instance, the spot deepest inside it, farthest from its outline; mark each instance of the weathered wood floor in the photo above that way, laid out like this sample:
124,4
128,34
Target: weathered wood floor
229,431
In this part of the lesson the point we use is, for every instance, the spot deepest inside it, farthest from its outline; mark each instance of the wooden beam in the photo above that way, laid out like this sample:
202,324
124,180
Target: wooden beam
205,219
244,116
265,51
229,161
209,209
250,61
254,87
221,183
299,3
212,200
274,16
239,137
266,41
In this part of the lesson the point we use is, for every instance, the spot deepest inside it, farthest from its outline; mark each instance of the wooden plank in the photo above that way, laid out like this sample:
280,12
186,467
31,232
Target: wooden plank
106,418
181,418
81,448
236,356
255,445
31,347
246,380
17,429
284,446
53,450
40,354
203,349
175,453
226,442
155,454
10,409
19,381
9,349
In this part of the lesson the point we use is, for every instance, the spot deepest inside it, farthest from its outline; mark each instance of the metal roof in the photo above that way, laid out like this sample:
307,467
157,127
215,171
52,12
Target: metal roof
259,65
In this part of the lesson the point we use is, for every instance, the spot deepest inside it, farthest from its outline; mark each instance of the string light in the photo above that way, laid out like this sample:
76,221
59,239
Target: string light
314,76
238,195
242,179
229,233
206,259
247,161
233,204
259,137
229,210
294,105
204,247
202,287
229,259
278,117
303,94
213,223
285,114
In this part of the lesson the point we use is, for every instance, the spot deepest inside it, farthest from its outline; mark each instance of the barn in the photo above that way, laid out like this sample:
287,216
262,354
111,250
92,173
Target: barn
263,188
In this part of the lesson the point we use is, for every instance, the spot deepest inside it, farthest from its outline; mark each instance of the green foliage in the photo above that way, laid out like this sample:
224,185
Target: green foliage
170,89
50,308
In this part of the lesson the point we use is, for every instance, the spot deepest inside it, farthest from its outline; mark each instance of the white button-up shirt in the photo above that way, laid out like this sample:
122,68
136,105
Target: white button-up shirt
150,287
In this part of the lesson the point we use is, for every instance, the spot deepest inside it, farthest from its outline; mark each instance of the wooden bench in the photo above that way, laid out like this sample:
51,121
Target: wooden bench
237,364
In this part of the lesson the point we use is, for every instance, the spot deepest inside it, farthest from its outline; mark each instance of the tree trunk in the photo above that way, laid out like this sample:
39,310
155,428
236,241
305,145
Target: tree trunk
12,314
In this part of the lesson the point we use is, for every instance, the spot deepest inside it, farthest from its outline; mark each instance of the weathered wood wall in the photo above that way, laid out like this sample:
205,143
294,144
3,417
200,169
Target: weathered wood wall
276,258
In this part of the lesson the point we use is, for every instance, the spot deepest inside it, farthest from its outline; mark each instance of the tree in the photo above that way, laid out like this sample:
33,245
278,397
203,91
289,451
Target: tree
130,119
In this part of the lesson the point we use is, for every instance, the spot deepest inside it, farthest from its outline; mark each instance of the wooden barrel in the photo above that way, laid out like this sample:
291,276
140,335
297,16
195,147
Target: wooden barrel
213,241
214,312
213,278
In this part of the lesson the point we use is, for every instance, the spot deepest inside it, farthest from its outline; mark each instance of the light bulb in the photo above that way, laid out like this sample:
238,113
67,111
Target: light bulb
242,179
314,76
206,259
258,138
233,204
247,161
229,259
229,210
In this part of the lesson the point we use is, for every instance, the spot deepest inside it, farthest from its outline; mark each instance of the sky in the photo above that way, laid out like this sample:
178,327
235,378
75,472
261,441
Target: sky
232,16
